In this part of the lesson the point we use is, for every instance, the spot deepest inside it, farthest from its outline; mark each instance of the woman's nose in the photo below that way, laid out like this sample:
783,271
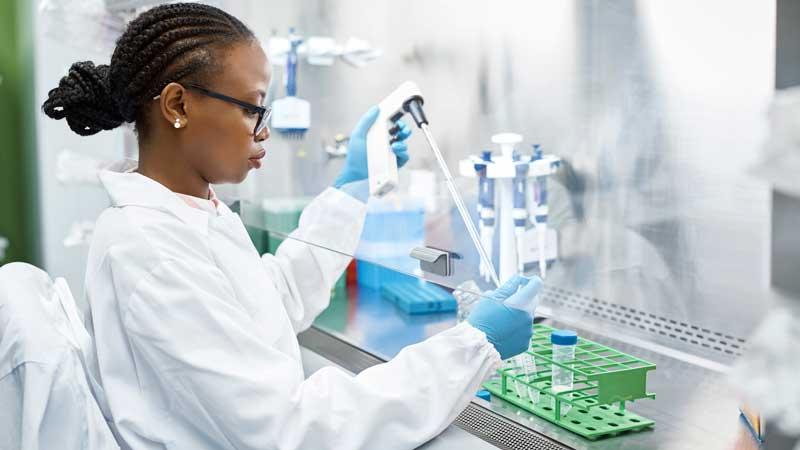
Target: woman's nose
263,135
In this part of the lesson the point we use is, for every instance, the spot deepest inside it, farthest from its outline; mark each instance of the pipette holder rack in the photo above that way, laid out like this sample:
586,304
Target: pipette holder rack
503,169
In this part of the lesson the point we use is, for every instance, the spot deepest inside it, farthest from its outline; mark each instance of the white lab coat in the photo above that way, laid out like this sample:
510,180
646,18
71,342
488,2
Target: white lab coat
196,334
46,400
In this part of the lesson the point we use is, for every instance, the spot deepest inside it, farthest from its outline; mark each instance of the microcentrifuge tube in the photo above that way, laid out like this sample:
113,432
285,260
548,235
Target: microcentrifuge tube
529,368
514,367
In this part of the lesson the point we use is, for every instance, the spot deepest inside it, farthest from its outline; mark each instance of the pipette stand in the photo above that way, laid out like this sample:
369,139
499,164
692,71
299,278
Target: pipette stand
502,169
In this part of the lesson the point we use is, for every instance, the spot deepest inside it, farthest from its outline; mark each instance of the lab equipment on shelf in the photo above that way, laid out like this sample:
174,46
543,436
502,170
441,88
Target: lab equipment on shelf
291,115
324,51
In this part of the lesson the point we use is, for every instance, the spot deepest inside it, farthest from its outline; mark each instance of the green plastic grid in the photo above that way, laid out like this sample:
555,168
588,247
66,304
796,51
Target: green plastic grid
604,379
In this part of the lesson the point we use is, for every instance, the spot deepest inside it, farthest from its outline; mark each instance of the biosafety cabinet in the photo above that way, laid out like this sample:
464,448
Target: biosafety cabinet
607,148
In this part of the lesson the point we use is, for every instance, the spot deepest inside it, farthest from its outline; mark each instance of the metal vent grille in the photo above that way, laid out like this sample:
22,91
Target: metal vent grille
653,324
502,433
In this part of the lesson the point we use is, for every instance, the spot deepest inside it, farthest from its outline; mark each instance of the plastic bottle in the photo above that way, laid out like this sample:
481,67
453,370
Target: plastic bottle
564,342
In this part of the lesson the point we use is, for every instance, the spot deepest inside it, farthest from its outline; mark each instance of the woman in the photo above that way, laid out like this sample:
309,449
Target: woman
195,333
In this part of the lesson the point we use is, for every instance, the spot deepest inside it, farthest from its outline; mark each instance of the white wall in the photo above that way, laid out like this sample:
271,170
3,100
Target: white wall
65,204
65,35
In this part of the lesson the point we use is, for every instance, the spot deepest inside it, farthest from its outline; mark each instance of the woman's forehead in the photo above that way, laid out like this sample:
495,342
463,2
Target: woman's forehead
246,68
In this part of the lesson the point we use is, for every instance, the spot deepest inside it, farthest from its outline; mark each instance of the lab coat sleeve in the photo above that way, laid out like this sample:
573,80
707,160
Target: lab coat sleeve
307,265
227,382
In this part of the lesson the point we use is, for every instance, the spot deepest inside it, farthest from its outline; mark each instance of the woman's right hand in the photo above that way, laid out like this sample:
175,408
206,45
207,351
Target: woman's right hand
506,315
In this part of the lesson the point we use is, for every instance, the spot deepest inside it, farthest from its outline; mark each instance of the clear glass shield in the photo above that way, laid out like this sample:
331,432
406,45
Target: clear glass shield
405,234
652,227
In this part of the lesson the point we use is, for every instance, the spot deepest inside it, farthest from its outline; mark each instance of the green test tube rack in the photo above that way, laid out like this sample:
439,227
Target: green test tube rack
604,380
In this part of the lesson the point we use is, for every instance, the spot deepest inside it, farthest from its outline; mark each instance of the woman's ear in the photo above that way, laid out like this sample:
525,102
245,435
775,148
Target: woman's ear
173,105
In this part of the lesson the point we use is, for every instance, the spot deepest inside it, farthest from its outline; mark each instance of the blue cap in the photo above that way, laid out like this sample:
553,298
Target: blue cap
564,337
484,394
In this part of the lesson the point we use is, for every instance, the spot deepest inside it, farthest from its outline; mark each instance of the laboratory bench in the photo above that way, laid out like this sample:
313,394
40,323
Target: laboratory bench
694,408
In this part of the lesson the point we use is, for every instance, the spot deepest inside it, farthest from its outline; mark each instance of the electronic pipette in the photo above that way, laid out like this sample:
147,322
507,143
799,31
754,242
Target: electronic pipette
382,162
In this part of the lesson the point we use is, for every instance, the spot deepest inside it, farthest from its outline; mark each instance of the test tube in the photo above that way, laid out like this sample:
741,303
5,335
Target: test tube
564,342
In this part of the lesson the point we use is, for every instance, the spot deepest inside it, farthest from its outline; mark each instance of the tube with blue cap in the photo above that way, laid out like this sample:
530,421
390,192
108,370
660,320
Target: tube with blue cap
564,343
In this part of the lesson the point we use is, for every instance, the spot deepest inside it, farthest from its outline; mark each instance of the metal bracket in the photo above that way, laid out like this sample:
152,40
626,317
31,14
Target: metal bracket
433,261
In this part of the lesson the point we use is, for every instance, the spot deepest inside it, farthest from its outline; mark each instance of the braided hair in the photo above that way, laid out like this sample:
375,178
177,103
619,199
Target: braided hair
168,43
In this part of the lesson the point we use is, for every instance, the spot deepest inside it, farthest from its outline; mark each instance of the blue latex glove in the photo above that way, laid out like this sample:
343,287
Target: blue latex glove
508,328
355,166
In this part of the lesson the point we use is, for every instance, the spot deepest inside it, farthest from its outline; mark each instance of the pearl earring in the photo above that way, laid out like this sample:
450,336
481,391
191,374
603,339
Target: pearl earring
177,122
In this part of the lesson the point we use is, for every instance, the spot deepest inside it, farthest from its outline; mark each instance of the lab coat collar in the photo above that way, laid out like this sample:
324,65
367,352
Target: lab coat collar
128,188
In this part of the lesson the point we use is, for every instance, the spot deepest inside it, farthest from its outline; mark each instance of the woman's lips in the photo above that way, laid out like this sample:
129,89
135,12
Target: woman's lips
255,161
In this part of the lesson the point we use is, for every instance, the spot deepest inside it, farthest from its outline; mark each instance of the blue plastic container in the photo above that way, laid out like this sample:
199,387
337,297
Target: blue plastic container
375,276
419,297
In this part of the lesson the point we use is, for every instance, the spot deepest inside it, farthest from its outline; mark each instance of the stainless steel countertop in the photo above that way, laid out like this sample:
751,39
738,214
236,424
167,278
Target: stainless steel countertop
694,407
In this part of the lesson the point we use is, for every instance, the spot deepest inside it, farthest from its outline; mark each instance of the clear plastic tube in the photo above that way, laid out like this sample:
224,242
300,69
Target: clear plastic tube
529,369
515,364
562,378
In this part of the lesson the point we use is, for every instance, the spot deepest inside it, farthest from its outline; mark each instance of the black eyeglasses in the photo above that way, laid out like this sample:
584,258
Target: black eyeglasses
263,113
